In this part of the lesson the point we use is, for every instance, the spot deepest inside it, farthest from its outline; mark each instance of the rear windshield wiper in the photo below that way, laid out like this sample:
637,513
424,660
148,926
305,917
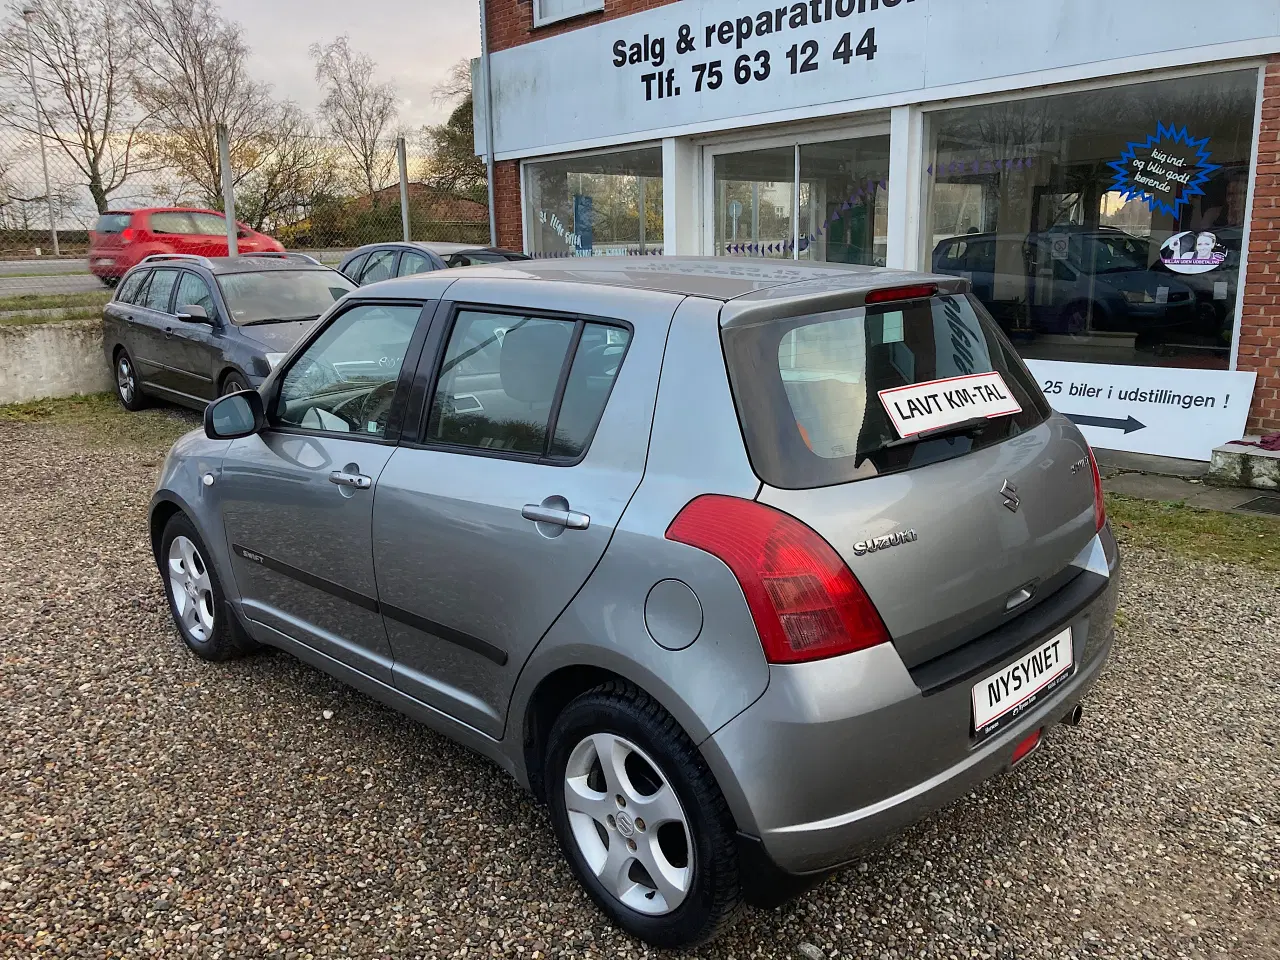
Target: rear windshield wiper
963,426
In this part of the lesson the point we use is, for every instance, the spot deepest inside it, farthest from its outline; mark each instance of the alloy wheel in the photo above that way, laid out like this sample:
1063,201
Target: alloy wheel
628,824
125,381
191,589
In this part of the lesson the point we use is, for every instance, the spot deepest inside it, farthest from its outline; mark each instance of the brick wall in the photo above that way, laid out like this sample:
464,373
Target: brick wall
506,204
511,21
1260,319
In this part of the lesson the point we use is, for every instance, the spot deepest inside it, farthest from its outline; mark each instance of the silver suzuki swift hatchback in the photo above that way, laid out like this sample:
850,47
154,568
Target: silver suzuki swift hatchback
738,566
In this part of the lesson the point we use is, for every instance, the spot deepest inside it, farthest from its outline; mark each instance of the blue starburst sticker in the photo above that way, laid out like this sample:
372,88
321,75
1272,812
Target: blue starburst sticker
1165,170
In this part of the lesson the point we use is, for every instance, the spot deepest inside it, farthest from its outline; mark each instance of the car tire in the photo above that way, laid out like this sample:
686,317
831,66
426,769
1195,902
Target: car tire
232,383
196,601
128,389
689,840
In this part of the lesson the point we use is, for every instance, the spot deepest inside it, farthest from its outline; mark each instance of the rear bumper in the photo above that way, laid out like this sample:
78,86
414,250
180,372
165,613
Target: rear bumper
108,266
839,754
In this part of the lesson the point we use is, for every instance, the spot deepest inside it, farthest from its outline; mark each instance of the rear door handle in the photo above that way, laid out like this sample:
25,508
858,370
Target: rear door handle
357,480
569,519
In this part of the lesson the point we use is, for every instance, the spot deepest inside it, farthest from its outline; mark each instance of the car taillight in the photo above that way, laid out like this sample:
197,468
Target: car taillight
806,604
1099,505
126,234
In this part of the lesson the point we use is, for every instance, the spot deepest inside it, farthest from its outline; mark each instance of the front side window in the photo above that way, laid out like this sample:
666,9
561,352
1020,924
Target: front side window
171,223
346,380
210,224
275,296
131,287
157,293
193,291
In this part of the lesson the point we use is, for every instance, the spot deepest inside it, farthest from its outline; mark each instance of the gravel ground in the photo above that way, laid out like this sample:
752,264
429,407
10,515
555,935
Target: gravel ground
155,805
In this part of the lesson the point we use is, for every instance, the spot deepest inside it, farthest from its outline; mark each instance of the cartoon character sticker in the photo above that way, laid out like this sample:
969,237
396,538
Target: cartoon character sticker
1192,252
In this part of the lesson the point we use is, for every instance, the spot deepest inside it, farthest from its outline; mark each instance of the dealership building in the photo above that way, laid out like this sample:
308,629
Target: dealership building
1106,175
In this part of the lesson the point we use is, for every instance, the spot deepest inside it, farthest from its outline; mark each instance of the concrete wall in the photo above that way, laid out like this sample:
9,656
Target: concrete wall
52,360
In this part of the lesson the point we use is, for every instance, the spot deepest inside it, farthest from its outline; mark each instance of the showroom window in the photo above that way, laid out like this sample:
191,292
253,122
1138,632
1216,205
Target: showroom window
1104,225
826,201
604,204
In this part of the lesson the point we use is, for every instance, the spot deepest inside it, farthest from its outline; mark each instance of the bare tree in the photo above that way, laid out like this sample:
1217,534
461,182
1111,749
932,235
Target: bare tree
358,110
451,145
194,77
455,86
298,169
83,51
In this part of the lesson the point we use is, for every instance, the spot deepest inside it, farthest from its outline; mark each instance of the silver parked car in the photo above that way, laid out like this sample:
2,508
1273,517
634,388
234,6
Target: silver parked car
738,566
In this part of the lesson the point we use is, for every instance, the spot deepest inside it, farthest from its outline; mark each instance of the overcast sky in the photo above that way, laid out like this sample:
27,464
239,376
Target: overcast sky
414,42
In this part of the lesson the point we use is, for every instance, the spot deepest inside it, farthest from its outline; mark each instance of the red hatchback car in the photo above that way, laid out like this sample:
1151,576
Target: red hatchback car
121,238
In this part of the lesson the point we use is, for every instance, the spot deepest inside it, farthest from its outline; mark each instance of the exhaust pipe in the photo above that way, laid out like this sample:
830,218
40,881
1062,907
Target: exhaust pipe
1073,718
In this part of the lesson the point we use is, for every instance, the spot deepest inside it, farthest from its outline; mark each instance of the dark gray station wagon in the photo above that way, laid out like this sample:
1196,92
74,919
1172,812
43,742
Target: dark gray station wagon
186,328
737,566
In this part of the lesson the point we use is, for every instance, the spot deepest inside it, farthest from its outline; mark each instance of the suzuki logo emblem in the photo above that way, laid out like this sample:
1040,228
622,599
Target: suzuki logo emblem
1010,494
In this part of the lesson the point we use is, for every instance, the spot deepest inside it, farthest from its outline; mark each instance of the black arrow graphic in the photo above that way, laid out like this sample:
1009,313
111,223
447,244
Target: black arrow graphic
1128,425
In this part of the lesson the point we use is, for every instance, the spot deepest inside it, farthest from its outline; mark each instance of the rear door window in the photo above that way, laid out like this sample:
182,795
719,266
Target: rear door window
157,293
524,385
411,263
808,388
381,266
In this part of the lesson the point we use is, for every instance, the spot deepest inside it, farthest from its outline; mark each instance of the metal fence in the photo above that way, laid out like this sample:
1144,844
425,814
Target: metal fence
309,192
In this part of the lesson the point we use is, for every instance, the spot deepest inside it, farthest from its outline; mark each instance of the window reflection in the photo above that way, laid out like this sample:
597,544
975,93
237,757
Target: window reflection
1027,201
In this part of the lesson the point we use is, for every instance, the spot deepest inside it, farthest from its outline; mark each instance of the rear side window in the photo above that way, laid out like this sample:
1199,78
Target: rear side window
157,294
808,388
171,222
525,385
112,222
353,268
131,286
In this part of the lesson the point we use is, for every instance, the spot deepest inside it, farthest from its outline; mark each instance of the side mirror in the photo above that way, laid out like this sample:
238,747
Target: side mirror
193,311
235,415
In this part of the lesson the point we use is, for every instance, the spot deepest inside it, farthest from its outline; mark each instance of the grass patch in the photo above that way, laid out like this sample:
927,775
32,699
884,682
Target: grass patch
44,316
1200,534
54,301
100,419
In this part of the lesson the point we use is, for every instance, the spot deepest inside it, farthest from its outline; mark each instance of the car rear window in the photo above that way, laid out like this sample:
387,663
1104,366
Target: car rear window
277,295
112,222
808,389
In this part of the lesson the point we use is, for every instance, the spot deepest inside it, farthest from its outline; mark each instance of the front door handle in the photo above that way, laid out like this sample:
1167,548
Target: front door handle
560,517
344,479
